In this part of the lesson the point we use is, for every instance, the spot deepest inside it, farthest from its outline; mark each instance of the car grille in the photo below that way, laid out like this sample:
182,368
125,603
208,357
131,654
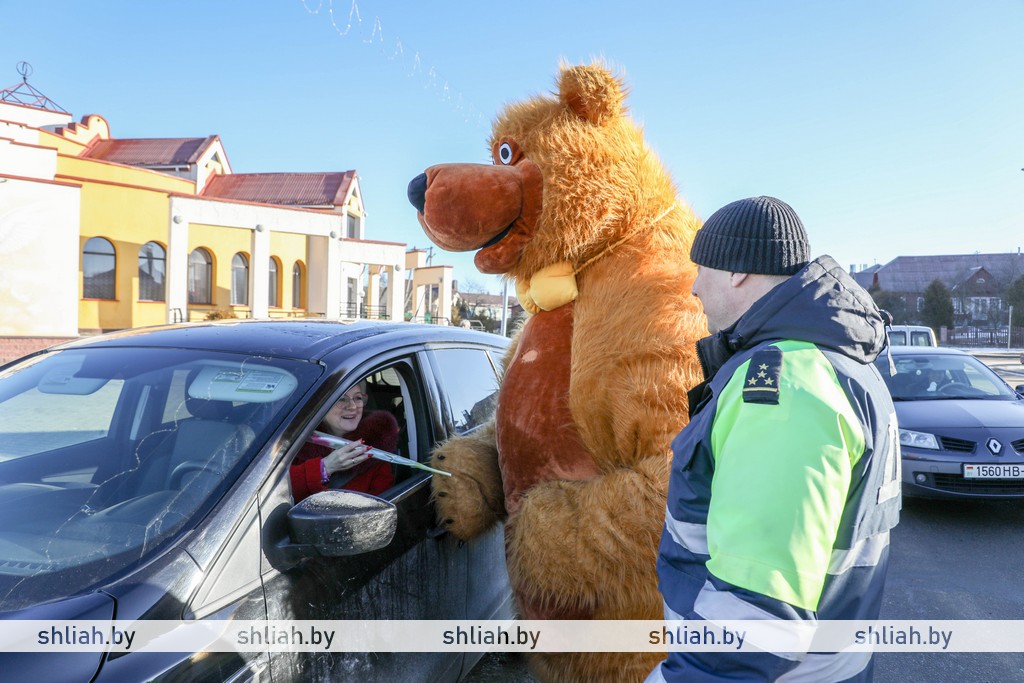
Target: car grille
957,445
954,483
1018,445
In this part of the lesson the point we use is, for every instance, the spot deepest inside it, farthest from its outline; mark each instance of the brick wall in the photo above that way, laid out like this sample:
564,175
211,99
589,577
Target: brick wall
16,347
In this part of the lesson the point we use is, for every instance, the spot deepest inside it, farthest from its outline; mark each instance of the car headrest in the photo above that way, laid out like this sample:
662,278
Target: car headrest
206,409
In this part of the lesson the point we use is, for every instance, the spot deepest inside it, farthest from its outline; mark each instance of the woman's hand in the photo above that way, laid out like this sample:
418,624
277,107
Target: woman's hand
346,457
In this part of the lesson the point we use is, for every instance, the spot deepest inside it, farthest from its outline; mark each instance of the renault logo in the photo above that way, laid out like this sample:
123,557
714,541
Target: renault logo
994,446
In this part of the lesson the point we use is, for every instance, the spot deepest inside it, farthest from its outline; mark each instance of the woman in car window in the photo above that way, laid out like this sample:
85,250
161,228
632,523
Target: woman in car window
318,468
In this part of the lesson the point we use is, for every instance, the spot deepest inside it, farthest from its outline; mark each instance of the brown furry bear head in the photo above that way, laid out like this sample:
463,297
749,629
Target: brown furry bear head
570,176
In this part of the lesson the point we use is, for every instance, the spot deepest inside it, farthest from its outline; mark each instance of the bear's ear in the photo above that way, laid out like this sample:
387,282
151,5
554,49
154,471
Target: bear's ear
592,93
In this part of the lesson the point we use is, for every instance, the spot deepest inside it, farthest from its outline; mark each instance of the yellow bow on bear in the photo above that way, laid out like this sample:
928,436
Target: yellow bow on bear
555,285
549,288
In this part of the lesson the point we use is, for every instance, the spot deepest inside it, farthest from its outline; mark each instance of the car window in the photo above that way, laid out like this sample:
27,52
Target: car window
388,391
898,338
940,377
982,382
390,421
920,339
471,385
32,420
420,574
108,453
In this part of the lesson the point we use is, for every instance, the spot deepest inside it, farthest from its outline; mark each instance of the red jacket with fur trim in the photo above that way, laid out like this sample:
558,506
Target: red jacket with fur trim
378,429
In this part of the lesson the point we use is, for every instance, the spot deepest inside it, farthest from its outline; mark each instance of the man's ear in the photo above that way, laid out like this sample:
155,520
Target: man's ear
737,279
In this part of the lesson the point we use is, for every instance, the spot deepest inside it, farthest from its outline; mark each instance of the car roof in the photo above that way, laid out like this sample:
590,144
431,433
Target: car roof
301,339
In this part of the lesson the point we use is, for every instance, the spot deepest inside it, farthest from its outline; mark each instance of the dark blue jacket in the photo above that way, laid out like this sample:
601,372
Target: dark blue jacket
786,482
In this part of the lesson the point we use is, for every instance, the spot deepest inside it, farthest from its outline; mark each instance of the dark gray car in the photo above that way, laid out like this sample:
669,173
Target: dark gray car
961,426
145,475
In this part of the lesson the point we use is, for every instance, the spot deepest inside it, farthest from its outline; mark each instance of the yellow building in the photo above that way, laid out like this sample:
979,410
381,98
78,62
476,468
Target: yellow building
99,233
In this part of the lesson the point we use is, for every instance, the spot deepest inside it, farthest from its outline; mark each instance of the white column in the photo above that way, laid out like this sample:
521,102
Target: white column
444,304
259,272
504,308
177,265
324,259
427,277
373,290
333,304
396,293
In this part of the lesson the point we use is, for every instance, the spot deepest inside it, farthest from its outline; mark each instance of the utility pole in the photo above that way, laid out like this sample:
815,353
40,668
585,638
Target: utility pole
1009,328
504,308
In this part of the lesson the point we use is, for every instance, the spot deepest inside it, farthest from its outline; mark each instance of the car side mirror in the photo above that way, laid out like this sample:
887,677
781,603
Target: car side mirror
1019,389
341,523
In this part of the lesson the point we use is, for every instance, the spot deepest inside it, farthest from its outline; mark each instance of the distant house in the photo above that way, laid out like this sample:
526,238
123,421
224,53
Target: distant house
478,305
977,282
475,305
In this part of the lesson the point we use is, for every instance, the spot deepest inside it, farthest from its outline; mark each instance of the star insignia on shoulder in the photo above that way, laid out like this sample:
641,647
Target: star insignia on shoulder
762,381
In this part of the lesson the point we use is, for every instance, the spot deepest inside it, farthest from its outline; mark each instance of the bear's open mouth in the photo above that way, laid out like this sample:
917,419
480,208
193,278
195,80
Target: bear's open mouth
497,238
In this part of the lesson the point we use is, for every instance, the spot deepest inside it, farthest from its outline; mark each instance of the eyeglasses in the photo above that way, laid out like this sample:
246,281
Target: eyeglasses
356,401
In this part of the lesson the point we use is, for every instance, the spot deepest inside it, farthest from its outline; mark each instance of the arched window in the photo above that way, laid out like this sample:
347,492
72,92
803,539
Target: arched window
273,284
240,280
152,270
200,277
99,269
297,285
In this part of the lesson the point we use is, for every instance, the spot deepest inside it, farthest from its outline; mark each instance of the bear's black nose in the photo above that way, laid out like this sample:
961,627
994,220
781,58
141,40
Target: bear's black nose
418,191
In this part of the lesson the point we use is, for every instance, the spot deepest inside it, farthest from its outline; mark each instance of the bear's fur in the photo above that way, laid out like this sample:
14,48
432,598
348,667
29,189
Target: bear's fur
577,456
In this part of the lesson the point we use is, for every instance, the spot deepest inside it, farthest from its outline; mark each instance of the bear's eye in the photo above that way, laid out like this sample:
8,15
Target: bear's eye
505,153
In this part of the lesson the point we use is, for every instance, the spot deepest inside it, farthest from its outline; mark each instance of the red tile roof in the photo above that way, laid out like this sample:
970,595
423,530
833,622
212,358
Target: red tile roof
290,189
150,151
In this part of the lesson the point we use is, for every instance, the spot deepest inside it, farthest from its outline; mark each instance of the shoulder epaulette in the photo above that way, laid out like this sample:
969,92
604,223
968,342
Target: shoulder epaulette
761,385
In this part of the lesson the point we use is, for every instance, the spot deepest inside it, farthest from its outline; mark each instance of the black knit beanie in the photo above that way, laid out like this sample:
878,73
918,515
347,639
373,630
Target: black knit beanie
761,235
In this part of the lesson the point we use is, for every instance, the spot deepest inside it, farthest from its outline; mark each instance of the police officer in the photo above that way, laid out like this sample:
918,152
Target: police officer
786,482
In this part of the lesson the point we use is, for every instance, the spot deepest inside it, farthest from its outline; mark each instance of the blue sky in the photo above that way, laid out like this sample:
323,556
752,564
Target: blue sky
891,127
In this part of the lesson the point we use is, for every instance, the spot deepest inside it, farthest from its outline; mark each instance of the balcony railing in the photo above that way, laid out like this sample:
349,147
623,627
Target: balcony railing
429,320
364,312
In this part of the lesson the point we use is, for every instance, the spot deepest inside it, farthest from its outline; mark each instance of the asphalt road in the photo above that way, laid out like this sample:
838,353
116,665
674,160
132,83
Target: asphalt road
948,560
954,560
957,560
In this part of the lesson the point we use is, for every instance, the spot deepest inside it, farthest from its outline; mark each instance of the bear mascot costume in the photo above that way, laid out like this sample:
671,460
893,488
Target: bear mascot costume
580,212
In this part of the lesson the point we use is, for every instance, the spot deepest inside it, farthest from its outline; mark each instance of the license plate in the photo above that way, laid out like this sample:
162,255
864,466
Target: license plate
993,471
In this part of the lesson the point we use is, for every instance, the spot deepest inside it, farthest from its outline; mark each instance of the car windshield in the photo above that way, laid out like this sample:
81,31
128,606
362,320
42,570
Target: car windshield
936,377
109,453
